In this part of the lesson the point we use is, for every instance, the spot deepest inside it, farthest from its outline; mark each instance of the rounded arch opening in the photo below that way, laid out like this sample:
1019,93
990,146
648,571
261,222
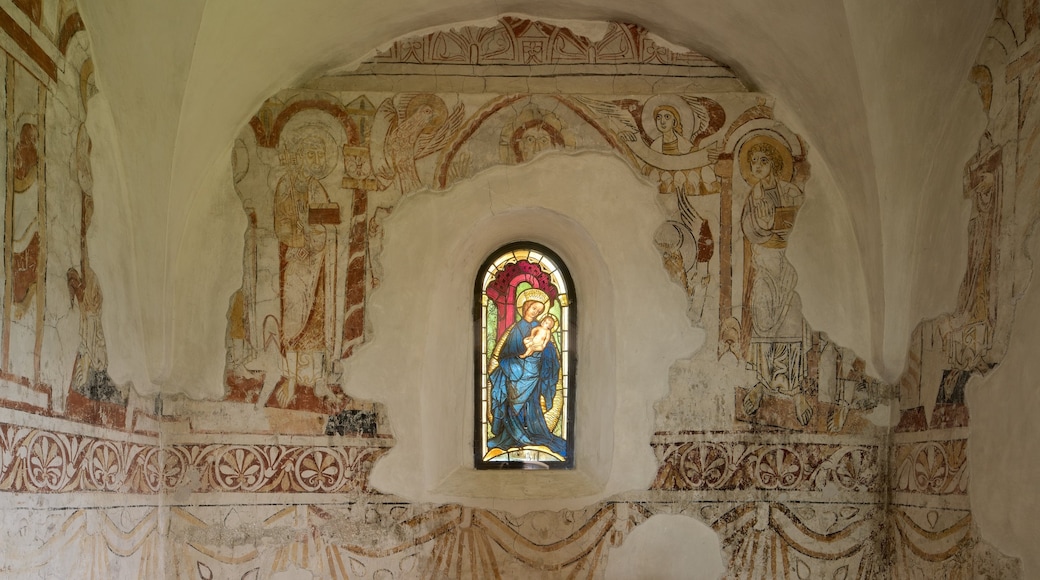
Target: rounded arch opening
561,202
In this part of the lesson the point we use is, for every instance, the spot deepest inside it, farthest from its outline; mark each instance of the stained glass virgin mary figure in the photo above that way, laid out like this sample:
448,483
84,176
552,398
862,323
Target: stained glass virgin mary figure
525,369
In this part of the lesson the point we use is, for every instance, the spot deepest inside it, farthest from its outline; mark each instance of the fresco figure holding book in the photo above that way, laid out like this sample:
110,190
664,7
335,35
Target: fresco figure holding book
772,322
304,222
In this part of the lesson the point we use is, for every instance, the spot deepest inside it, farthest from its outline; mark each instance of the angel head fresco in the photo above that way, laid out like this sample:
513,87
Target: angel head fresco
668,123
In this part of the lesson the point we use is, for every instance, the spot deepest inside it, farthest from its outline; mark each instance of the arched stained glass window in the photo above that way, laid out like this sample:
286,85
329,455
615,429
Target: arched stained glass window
526,323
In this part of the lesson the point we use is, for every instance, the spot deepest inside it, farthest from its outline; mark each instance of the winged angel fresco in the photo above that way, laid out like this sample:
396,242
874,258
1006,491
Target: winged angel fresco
664,134
416,127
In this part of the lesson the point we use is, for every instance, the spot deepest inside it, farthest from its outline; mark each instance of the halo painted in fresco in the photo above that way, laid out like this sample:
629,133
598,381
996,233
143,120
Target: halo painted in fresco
525,332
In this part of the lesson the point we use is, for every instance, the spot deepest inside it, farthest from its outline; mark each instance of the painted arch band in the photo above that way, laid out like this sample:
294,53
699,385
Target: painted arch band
525,369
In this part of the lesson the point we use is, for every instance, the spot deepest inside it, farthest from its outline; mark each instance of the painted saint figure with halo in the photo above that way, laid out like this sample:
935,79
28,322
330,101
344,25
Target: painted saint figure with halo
772,324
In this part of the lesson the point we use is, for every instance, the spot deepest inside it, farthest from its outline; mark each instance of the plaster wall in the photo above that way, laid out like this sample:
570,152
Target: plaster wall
626,351
231,472
1001,487
907,93
606,222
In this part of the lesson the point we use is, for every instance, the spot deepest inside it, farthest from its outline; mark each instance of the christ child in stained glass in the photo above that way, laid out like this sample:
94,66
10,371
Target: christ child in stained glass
540,336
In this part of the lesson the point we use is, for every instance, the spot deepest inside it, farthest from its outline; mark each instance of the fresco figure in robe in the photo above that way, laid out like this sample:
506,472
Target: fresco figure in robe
403,135
524,381
772,323
90,375
968,332
665,135
686,247
304,223
25,255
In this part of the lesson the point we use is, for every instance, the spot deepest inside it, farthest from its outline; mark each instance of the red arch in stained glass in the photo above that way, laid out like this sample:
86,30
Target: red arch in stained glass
502,289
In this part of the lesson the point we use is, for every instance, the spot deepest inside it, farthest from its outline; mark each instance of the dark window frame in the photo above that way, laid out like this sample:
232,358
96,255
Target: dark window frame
570,380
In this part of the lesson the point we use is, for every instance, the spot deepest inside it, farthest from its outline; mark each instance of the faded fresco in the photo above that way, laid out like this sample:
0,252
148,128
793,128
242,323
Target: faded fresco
67,429
808,478
930,512
53,357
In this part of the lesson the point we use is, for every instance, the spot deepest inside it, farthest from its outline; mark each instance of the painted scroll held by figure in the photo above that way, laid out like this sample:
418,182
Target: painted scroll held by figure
664,137
524,379
305,224
772,328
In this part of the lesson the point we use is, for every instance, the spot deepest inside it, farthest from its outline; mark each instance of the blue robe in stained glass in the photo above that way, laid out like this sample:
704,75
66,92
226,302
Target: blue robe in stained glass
516,385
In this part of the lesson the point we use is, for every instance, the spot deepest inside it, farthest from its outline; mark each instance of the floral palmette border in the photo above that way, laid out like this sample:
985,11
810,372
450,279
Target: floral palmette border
931,467
41,461
269,468
702,465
